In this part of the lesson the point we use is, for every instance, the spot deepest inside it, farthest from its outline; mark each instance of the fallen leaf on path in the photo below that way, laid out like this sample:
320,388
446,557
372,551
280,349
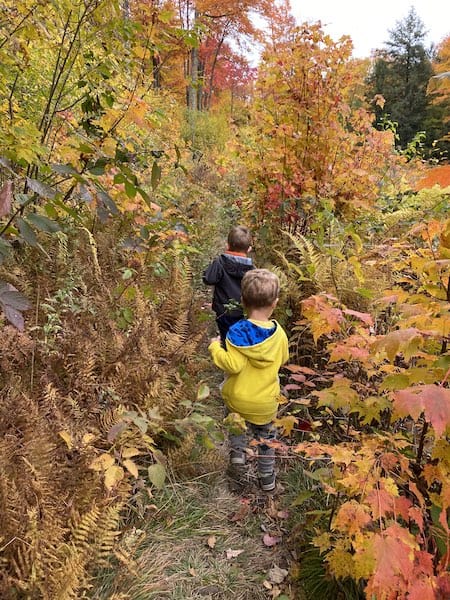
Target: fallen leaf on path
240,514
212,541
277,575
282,514
233,553
269,540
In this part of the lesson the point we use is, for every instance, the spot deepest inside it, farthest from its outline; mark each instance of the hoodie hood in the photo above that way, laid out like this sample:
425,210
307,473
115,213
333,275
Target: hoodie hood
236,266
255,342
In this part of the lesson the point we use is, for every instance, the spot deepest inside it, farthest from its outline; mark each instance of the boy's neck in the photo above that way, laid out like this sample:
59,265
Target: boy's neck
235,253
260,314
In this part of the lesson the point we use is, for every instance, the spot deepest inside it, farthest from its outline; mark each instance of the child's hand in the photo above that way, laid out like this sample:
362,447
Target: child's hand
215,339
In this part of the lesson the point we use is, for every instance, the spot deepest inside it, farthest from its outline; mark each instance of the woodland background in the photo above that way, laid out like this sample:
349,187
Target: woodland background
132,135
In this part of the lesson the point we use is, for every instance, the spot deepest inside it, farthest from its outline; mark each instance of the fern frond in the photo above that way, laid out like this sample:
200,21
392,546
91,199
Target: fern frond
312,265
399,217
172,312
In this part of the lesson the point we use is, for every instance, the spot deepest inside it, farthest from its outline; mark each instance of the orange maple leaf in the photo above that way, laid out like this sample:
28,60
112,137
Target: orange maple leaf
352,517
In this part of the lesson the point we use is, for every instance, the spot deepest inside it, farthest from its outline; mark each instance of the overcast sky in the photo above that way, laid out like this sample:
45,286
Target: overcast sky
368,23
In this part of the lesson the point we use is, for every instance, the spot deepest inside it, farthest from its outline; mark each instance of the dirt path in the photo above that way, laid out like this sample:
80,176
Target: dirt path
198,539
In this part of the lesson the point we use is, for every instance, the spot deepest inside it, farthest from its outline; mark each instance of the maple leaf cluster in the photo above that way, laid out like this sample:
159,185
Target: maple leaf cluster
385,397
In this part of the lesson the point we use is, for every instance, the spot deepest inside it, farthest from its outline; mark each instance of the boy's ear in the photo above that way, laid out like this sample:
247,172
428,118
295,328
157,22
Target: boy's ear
275,302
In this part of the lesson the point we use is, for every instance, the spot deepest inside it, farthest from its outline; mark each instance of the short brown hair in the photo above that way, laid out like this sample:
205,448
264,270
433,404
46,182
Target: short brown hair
259,288
239,238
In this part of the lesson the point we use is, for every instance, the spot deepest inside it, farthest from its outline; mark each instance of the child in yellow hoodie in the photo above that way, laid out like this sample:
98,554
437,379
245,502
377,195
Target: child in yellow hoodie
256,348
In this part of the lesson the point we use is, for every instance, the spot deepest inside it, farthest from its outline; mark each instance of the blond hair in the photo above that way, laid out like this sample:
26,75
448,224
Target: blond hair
239,238
260,288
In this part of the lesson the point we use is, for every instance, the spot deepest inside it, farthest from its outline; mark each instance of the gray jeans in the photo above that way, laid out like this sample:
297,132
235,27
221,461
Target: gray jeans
262,434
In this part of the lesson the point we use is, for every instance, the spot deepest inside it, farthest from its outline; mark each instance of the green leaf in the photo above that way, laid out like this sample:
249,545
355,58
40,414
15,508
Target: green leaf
51,210
156,175
130,189
5,249
43,223
157,475
63,169
40,188
128,315
302,497
108,202
26,232
396,381
23,199
67,170
119,178
70,211
203,392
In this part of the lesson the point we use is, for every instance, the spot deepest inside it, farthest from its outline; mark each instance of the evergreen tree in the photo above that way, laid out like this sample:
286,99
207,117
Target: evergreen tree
400,74
438,118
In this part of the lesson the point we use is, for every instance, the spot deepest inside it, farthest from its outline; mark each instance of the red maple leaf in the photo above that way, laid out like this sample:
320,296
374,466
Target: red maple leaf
433,400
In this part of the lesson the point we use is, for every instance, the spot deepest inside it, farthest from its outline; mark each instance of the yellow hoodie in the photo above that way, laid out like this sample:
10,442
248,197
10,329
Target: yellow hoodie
255,352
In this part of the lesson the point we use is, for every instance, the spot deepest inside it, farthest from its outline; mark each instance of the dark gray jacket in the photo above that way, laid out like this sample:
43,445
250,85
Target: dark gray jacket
225,273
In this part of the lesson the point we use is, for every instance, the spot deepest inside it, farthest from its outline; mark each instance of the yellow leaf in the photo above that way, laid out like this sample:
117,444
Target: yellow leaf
87,439
129,452
113,475
391,487
107,120
286,423
141,51
340,561
235,423
102,462
212,541
131,467
67,438
357,268
109,146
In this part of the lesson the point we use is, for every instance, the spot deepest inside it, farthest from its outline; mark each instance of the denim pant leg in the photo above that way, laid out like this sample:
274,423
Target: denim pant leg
237,442
266,453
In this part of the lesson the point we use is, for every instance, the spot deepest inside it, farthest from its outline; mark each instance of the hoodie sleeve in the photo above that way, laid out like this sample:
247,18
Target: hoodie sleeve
213,273
285,350
231,360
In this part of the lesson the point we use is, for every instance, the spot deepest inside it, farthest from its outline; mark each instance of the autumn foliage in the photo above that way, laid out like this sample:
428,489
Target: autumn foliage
312,141
387,472
115,182
436,176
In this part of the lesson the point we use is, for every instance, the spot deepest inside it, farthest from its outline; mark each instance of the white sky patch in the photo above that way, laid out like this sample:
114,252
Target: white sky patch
368,24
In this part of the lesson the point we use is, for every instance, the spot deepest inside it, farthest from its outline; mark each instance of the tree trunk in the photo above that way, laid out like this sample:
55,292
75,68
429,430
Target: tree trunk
192,99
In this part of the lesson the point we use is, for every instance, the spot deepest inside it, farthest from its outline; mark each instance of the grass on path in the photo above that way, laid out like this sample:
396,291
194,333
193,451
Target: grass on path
197,539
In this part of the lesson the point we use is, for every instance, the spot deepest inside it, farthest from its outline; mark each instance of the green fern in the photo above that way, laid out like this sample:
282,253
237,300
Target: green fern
310,264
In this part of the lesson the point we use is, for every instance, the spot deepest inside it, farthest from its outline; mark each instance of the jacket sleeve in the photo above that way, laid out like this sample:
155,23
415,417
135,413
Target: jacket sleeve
231,360
284,349
213,273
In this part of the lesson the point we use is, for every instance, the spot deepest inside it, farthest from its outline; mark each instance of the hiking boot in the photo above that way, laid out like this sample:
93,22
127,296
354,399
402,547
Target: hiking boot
237,457
267,481
238,478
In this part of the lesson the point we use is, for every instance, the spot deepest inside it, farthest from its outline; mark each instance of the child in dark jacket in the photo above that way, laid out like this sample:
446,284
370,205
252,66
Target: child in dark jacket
225,273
